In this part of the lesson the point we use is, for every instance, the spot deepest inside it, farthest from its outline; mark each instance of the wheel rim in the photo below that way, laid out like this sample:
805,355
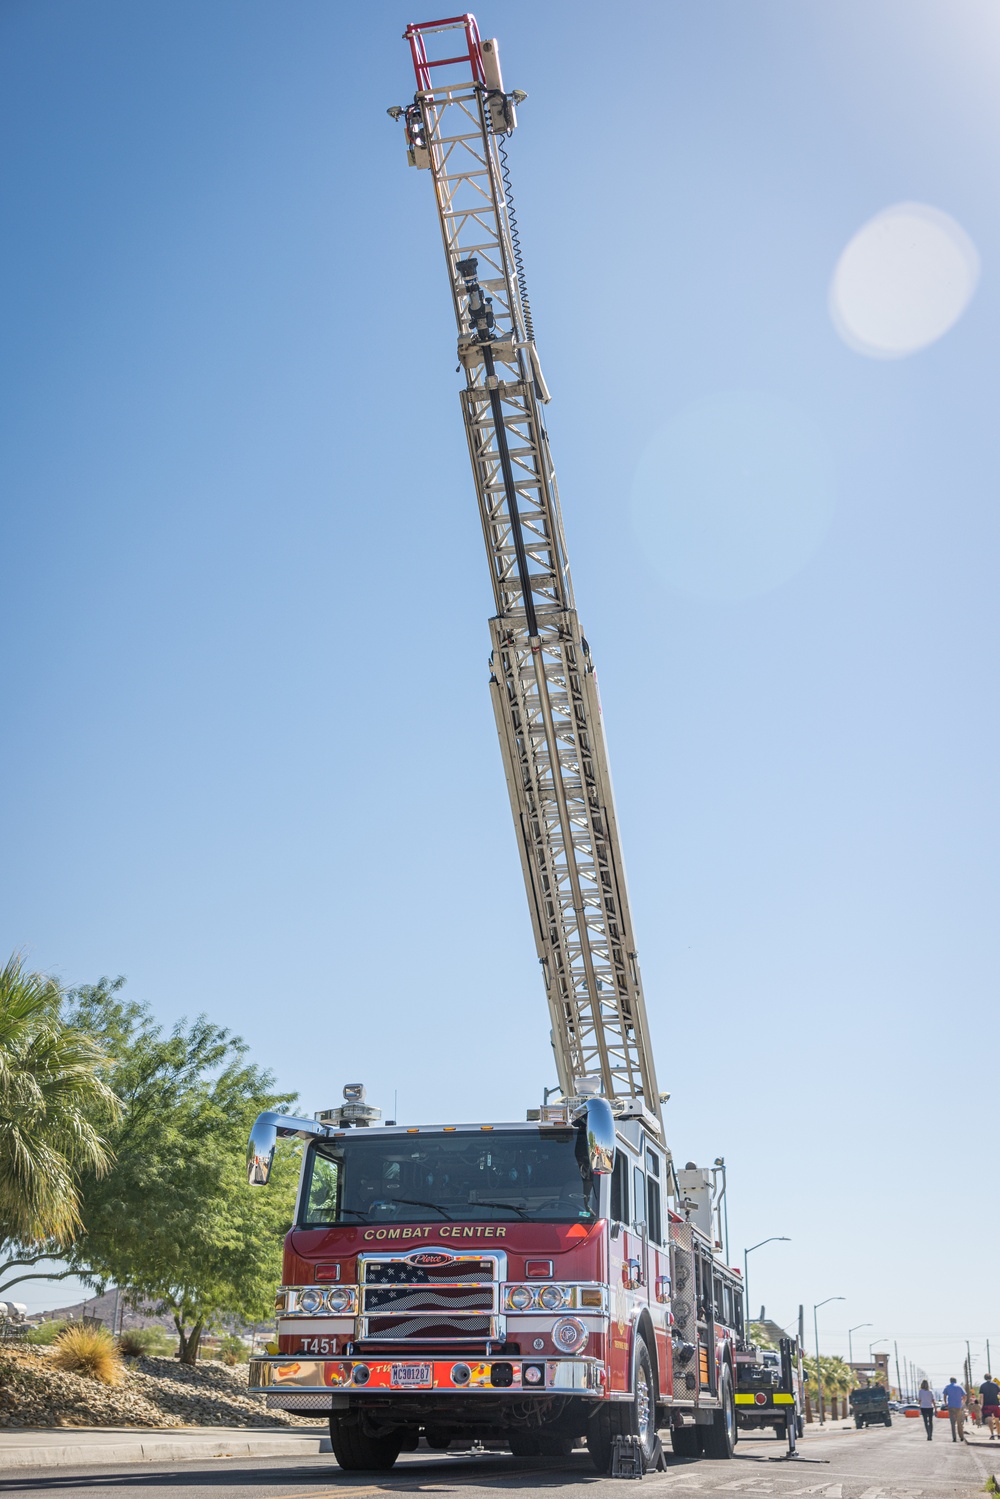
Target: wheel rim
643,1404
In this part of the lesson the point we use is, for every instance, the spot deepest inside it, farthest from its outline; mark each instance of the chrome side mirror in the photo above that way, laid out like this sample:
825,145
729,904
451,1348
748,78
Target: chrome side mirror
601,1146
260,1149
269,1128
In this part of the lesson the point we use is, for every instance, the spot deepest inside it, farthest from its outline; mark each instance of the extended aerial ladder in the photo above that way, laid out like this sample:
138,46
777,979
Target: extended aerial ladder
542,676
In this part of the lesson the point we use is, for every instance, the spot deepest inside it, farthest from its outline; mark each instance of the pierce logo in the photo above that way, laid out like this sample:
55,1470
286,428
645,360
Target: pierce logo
429,1259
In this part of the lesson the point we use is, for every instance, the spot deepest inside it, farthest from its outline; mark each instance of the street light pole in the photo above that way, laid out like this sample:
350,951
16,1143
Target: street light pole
850,1345
819,1373
774,1239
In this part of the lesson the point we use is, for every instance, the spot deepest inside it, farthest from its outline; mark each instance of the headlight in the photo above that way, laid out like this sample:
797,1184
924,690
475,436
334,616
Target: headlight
340,1300
569,1335
552,1297
311,1300
519,1298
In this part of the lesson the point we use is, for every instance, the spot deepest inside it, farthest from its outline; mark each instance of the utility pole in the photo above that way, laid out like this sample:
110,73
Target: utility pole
899,1387
989,1366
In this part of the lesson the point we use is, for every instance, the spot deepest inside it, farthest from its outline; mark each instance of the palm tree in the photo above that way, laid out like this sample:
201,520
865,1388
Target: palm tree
837,1381
53,1102
844,1376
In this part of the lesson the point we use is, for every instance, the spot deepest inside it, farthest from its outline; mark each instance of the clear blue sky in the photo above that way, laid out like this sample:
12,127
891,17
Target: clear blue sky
249,758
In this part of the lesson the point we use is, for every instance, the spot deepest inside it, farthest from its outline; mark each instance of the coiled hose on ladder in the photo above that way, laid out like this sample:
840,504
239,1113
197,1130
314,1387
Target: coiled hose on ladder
515,240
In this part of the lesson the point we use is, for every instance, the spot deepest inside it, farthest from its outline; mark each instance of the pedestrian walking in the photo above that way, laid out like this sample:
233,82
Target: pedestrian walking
925,1400
989,1394
974,1409
954,1399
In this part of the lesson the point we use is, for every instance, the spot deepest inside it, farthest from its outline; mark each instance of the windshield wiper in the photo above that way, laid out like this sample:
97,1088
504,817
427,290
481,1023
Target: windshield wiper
411,1202
512,1205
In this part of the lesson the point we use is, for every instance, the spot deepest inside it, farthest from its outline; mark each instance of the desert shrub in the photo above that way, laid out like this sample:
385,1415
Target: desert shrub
148,1342
46,1332
89,1351
230,1350
233,1350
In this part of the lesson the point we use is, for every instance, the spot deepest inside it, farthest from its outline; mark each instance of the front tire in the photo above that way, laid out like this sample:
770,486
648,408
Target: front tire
358,1453
636,1418
720,1438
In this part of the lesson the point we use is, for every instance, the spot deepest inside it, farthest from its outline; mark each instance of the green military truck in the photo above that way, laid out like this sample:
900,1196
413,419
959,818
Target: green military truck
870,1406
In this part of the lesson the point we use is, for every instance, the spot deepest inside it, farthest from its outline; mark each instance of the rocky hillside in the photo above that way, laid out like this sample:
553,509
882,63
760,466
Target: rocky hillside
155,1392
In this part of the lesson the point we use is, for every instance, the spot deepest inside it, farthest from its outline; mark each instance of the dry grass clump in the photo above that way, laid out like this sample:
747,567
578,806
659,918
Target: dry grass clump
146,1342
91,1352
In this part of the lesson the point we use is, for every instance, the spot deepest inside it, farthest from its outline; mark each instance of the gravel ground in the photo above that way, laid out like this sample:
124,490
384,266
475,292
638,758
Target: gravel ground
154,1392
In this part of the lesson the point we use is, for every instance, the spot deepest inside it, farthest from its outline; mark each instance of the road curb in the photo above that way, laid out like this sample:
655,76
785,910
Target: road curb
157,1448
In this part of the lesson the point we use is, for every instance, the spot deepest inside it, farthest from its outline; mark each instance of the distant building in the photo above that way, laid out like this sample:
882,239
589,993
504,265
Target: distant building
874,1371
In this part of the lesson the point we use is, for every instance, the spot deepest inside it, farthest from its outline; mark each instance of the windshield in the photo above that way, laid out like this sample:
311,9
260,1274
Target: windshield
503,1177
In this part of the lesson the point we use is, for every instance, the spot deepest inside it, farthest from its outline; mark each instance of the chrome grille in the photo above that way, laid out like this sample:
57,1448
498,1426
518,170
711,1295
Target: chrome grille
428,1298
431,1296
434,1329
411,1272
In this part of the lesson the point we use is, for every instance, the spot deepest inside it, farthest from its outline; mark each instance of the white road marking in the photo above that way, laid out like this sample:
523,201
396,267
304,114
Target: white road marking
743,1483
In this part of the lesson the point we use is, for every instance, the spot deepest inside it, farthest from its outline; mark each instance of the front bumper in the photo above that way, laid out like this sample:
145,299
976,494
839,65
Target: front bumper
430,1376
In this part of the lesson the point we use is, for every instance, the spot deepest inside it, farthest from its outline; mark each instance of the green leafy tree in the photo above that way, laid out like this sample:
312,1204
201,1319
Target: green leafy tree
759,1336
55,1112
174,1221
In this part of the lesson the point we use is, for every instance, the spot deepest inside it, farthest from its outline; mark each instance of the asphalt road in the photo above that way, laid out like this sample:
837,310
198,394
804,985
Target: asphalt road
876,1463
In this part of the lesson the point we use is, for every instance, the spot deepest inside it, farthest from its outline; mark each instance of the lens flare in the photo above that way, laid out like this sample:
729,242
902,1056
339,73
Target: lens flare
903,281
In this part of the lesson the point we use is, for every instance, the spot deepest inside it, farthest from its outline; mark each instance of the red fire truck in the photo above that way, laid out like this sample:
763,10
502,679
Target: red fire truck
498,1281
537,1282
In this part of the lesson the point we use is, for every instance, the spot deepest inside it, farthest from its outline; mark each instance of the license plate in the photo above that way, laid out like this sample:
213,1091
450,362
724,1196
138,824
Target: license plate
411,1374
